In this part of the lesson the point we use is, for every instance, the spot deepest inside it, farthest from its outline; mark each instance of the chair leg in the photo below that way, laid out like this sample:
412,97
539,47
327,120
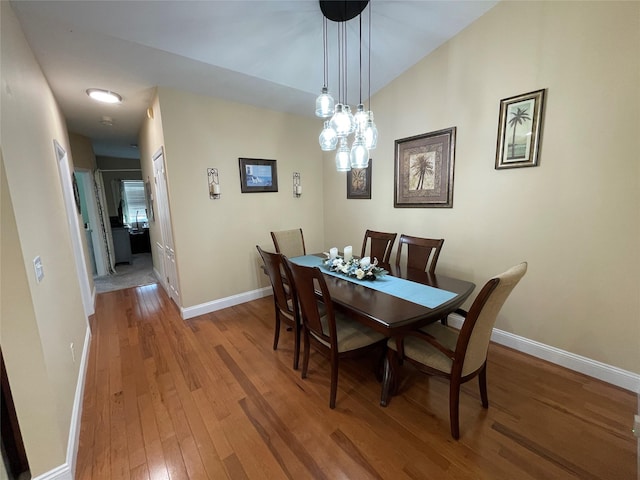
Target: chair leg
334,379
305,356
296,347
482,381
276,333
454,406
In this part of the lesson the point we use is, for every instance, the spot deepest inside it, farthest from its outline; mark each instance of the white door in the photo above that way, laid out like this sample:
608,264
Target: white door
74,227
170,275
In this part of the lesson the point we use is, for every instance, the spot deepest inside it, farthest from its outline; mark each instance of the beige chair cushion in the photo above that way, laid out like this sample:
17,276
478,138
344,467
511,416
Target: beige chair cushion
425,353
351,334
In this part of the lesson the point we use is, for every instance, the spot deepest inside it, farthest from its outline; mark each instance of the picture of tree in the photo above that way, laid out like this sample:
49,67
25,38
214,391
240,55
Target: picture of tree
422,171
519,130
423,175
519,117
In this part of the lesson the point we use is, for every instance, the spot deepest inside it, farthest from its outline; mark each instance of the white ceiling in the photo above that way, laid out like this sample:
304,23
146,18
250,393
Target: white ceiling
266,53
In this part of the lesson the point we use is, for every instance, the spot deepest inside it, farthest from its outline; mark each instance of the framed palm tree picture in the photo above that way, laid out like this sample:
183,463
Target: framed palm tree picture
424,170
520,130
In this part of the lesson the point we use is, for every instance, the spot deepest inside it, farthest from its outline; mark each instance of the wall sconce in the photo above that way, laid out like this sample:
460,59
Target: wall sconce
214,183
297,188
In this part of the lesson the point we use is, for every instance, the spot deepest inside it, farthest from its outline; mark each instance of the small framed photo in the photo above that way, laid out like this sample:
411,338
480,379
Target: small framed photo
359,182
424,170
519,130
257,175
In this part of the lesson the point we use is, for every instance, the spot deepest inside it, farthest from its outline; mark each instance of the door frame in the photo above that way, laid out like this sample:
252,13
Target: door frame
73,222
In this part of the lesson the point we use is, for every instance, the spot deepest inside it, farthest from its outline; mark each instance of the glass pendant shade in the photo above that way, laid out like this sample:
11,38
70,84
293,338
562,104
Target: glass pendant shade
359,156
371,133
351,119
361,117
343,163
328,138
340,121
324,104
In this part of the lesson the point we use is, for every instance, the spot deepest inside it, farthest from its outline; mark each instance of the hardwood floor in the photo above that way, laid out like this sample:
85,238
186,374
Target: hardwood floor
209,398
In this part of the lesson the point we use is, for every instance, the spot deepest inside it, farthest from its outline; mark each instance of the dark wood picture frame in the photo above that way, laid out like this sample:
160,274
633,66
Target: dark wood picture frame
359,183
258,175
520,122
424,170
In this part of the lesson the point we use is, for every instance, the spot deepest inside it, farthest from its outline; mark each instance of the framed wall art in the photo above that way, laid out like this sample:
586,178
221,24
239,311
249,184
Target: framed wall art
519,130
257,175
359,182
424,170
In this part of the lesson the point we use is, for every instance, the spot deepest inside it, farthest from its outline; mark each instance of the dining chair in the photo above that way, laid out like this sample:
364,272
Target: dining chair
422,253
284,300
332,333
381,245
458,355
289,242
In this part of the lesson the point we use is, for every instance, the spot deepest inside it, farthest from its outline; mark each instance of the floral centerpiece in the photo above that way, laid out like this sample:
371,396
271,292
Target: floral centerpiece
362,268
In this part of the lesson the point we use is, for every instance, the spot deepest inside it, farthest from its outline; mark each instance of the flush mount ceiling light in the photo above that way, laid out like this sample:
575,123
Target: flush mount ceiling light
343,123
104,96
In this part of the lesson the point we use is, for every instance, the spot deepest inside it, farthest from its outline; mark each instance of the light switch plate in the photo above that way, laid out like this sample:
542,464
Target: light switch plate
37,265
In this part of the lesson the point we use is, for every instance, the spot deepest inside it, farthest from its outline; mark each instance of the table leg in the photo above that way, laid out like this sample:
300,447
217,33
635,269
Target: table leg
387,379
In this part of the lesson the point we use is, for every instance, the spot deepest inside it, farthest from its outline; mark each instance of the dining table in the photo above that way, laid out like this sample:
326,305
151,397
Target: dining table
403,299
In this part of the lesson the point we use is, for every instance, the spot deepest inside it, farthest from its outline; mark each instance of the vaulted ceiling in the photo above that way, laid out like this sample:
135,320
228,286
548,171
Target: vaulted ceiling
267,53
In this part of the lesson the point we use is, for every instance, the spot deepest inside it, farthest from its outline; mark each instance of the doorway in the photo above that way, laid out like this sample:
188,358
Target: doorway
72,203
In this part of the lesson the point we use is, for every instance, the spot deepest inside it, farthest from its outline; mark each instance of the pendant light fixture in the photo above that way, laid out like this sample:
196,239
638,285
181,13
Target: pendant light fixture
343,123
324,102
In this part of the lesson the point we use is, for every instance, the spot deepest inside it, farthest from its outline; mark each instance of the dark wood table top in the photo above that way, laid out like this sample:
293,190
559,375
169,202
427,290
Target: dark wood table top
389,314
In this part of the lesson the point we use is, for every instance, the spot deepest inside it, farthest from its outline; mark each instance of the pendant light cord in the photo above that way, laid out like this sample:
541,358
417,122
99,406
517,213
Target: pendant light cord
360,70
369,78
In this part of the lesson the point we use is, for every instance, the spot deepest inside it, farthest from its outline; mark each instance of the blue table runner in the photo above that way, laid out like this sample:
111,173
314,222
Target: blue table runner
414,292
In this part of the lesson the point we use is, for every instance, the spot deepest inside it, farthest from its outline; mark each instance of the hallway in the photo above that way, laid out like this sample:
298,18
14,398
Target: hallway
139,272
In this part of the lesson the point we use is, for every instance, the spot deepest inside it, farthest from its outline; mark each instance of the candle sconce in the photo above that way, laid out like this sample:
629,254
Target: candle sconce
297,187
214,183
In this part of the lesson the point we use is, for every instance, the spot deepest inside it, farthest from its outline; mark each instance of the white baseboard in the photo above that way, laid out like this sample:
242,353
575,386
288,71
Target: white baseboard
63,472
601,371
209,307
67,470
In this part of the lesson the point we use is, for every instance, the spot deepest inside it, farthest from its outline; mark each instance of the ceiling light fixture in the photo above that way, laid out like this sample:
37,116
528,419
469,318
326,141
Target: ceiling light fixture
104,96
343,123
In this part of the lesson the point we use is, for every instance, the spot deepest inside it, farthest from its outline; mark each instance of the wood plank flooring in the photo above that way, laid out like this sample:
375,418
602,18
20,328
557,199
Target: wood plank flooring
208,398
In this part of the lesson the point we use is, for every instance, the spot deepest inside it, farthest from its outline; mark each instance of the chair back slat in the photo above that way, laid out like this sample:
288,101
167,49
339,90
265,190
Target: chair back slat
381,245
310,287
274,266
422,253
289,242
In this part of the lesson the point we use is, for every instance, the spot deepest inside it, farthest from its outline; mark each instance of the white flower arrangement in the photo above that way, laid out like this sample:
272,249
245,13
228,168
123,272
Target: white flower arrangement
362,269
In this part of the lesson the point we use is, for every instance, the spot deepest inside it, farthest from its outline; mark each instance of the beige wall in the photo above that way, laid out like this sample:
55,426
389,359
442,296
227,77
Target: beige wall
215,239
82,152
39,321
575,218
